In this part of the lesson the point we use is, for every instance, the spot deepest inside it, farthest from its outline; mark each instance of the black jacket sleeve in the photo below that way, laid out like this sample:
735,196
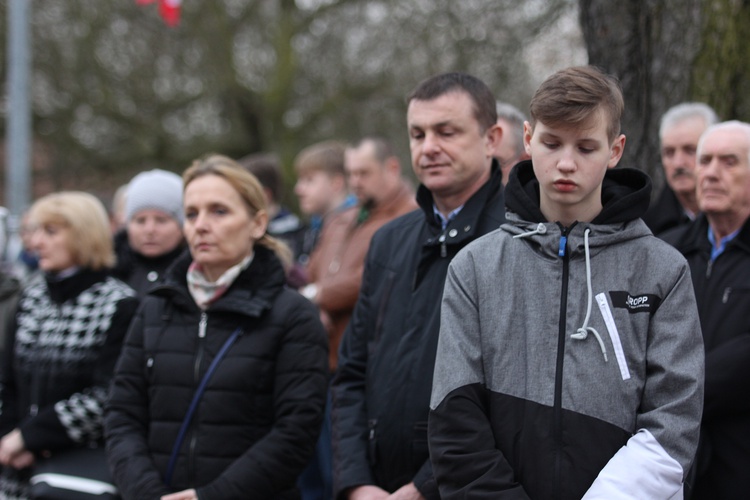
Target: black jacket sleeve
126,422
728,378
9,414
464,457
349,412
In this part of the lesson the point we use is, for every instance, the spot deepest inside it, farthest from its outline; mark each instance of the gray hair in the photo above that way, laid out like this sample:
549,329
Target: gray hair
728,125
685,111
515,118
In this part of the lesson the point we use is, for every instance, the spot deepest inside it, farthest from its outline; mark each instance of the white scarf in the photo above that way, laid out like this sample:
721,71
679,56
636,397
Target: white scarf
204,291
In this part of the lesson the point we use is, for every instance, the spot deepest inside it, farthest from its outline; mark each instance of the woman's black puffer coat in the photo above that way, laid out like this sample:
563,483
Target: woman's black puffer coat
257,422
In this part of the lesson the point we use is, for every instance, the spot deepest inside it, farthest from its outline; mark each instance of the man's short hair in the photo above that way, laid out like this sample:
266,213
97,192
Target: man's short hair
480,94
381,148
515,118
687,111
728,125
572,95
266,167
326,156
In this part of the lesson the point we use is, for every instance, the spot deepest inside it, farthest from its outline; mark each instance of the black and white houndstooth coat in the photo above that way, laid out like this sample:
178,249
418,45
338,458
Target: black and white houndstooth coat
63,343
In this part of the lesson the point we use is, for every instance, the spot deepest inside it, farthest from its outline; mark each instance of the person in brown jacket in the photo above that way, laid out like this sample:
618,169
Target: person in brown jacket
336,265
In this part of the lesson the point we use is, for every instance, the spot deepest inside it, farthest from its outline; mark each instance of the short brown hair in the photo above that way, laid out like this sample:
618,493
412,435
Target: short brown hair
326,156
381,148
439,85
266,167
246,185
83,214
571,96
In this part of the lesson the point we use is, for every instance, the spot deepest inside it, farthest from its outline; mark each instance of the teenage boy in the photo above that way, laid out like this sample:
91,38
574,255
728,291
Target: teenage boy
586,380
321,188
322,193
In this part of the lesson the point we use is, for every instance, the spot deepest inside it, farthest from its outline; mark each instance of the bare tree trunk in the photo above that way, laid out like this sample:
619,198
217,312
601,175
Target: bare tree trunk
721,75
650,45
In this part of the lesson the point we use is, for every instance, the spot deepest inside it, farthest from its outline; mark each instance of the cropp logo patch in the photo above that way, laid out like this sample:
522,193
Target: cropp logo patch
634,302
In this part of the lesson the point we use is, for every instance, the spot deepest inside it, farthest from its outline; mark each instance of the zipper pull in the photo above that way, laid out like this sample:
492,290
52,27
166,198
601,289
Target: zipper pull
202,325
33,410
708,268
443,249
561,248
725,297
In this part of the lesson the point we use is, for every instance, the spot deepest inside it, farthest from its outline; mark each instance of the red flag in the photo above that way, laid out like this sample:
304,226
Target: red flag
169,10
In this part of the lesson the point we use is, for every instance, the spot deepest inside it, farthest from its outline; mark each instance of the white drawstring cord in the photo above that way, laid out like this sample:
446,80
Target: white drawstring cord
540,229
582,333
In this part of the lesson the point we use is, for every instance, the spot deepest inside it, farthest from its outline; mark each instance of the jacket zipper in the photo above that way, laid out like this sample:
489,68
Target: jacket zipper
202,325
372,450
35,392
557,409
199,353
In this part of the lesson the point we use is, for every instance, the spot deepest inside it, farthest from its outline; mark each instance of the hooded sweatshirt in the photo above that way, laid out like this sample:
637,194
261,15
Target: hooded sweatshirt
583,377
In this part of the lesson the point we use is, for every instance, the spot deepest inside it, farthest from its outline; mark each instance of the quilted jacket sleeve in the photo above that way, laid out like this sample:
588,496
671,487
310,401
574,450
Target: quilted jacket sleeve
126,422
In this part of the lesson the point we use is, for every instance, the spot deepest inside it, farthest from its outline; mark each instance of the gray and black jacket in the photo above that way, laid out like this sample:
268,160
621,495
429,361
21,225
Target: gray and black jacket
570,360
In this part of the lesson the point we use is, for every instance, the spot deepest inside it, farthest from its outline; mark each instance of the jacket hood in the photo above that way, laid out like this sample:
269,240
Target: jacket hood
626,193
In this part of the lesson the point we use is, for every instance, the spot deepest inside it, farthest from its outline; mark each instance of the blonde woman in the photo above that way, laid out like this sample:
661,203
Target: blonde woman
222,310
64,338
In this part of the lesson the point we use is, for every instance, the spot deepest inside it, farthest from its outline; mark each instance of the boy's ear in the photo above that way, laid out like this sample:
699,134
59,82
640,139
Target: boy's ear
527,133
616,150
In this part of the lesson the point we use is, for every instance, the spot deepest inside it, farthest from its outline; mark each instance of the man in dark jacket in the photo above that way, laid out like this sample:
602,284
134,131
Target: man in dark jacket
381,392
717,248
681,127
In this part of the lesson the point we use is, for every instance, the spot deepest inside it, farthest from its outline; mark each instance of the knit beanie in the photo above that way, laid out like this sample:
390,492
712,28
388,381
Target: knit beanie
156,189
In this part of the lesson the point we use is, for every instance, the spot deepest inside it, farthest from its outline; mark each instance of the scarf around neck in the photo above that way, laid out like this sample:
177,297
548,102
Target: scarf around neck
204,291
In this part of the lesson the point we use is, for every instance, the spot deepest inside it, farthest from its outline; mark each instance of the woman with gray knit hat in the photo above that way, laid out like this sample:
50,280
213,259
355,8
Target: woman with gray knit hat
152,238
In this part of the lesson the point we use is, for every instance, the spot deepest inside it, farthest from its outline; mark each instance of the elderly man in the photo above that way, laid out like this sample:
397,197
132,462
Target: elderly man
381,391
717,247
681,127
